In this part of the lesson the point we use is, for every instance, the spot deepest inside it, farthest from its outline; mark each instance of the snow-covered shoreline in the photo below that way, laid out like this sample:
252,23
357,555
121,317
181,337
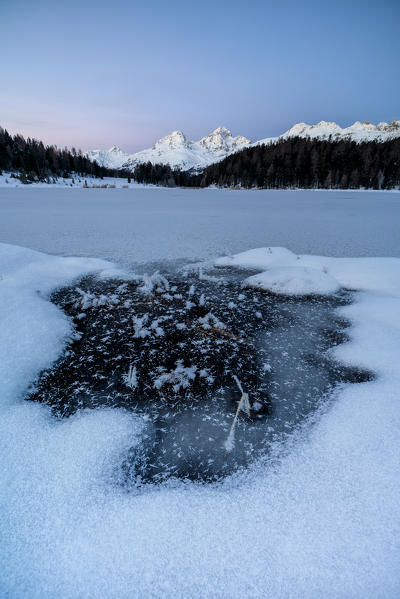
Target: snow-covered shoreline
323,522
8,182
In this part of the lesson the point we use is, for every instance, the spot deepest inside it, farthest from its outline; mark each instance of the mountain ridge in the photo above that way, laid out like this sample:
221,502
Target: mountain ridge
358,131
178,151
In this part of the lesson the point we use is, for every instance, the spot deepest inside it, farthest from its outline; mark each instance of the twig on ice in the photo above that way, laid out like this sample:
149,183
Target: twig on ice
243,405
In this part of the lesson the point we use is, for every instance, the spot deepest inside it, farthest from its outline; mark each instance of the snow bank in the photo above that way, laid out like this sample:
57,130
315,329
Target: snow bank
288,273
323,522
49,467
294,280
259,258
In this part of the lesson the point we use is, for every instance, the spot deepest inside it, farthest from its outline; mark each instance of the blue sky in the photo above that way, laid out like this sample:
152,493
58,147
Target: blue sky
94,74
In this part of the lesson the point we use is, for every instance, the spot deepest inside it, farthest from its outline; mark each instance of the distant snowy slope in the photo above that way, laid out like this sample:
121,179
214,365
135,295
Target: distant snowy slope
112,158
177,151
324,130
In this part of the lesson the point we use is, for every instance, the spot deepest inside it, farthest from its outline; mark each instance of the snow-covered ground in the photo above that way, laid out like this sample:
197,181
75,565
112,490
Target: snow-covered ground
7,181
322,521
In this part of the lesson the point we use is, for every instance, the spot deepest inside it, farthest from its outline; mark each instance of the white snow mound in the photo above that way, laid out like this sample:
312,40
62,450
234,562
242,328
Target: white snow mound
258,258
293,280
282,269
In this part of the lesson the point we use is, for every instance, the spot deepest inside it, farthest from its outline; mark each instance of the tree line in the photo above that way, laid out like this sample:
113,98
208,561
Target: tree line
293,163
32,161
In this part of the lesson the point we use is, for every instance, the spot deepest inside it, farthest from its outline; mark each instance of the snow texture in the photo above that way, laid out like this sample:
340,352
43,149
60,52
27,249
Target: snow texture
294,280
288,273
322,522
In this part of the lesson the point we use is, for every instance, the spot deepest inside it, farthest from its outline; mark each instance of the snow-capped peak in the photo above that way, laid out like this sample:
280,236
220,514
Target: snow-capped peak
359,131
221,140
175,139
321,128
393,126
177,151
113,150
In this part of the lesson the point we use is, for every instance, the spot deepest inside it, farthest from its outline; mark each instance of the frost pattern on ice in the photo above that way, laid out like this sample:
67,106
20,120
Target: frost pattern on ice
210,320
90,300
180,377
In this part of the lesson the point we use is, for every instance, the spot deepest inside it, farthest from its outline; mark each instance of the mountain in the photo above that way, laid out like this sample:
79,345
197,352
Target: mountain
179,152
176,150
324,130
112,158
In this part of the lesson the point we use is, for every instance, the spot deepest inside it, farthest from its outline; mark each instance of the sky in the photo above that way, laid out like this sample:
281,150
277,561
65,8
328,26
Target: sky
94,74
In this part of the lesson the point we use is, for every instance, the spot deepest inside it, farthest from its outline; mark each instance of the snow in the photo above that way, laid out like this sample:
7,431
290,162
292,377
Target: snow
176,150
289,273
112,158
261,258
7,181
294,280
365,131
320,520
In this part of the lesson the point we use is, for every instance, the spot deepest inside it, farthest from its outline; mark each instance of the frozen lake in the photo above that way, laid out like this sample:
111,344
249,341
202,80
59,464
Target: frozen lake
154,224
318,519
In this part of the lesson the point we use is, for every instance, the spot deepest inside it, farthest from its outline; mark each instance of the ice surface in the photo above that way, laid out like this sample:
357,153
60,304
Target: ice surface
323,521
155,224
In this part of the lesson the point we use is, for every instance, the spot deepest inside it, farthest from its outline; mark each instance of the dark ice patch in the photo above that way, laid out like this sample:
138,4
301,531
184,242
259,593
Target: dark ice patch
169,350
